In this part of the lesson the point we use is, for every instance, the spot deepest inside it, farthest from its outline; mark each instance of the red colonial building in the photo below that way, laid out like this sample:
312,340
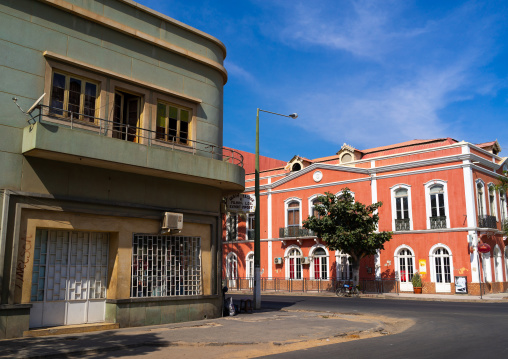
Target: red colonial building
438,199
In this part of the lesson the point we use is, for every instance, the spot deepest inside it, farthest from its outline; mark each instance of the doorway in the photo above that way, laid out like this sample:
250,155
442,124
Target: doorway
69,278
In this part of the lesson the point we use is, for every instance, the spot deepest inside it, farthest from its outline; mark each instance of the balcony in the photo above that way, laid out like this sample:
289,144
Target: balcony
402,224
487,222
90,141
295,232
250,234
438,222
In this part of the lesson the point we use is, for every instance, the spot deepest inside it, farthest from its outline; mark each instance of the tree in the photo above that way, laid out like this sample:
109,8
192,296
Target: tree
348,226
502,187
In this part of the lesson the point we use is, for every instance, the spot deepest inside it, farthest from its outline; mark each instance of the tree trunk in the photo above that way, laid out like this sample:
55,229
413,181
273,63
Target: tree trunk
355,266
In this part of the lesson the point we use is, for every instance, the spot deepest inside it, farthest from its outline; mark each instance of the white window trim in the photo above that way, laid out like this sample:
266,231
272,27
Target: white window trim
495,214
428,204
433,264
311,254
286,204
393,189
231,280
339,194
498,270
483,204
505,262
228,229
503,204
486,268
396,258
310,200
247,268
338,264
286,259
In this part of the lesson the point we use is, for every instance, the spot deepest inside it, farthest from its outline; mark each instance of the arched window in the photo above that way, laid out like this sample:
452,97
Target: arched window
315,203
404,262
480,198
344,268
294,264
437,207
232,269
498,264
249,266
442,268
402,210
502,205
486,267
492,201
320,263
293,215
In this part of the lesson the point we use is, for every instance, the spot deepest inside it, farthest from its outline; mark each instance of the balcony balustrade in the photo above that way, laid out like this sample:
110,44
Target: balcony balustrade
438,222
294,232
487,222
402,224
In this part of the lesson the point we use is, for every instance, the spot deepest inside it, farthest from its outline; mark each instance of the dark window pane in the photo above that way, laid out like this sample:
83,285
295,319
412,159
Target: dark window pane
74,95
57,94
184,132
90,100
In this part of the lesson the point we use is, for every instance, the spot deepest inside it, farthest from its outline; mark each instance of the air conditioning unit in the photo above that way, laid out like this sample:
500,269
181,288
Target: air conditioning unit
306,260
278,260
172,222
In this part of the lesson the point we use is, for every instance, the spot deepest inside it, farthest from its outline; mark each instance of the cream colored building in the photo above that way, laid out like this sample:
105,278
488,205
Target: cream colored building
129,130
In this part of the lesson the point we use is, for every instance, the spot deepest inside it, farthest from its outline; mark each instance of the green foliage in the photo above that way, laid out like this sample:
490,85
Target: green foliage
417,280
348,226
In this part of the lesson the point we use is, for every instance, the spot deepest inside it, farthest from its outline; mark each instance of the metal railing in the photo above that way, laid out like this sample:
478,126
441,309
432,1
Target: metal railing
486,221
402,224
438,222
295,231
367,285
136,134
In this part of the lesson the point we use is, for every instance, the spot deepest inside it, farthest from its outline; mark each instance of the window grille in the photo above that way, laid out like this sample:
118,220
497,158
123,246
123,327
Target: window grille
165,266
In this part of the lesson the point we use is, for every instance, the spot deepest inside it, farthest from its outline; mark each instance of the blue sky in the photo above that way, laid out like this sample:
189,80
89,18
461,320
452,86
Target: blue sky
366,73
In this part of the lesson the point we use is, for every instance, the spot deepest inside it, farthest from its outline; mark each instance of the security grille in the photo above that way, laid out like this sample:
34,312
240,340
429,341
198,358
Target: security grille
165,266
69,266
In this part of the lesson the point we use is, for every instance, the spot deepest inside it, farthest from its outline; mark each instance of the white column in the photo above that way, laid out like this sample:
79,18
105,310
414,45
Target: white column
269,219
469,190
373,186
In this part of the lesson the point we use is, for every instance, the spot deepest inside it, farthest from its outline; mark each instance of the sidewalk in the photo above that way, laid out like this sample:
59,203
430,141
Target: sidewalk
496,297
262,331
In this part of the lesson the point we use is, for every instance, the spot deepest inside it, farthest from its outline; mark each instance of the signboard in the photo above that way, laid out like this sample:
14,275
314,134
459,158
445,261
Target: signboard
461,285
242,203
423,266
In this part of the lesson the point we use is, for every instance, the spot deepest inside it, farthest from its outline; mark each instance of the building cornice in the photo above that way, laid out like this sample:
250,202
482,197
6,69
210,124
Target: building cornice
123,28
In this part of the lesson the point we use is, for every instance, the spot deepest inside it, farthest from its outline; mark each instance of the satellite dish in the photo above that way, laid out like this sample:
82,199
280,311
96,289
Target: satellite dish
35,104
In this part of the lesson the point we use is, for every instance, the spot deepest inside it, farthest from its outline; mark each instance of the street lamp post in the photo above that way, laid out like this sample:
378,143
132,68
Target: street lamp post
257,237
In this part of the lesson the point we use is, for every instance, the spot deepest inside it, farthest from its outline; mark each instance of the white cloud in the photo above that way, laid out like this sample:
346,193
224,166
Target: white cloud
239,72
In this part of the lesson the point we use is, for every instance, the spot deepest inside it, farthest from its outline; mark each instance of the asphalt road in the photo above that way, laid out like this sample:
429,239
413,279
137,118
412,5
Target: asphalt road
442,329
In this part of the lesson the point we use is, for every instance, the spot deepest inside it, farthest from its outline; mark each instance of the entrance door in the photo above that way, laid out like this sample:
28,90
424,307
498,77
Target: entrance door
69,278
406,270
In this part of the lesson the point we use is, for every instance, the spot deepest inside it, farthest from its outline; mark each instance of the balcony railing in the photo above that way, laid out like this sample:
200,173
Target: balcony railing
402,224
487,221
438,222
295,231
250,234
130,133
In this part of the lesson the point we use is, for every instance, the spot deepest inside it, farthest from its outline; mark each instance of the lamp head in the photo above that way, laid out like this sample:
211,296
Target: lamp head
293,115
